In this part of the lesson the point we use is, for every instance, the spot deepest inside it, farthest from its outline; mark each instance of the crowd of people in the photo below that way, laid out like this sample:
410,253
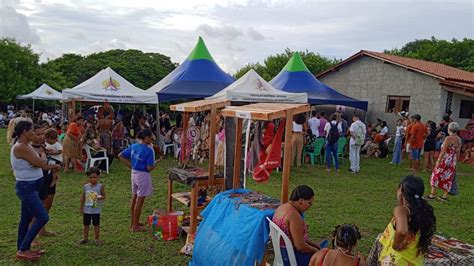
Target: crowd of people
40,150
440,144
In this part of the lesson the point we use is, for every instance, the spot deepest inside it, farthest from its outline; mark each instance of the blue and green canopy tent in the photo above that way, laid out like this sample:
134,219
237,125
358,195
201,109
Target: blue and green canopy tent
296,77
197,77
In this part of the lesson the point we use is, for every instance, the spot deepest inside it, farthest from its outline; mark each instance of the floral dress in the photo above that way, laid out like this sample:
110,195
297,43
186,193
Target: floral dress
443,175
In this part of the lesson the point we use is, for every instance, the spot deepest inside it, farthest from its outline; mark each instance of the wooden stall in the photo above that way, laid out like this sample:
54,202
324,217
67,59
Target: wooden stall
265,112
201,179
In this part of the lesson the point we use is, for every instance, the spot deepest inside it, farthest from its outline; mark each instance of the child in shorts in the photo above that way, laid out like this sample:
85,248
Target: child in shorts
91,200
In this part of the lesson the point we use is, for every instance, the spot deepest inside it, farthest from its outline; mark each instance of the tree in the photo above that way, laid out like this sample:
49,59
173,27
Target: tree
19,70
141,69
458,54
273,64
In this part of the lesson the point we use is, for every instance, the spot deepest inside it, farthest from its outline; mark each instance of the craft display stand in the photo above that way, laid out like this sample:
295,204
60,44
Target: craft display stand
265,112
206,180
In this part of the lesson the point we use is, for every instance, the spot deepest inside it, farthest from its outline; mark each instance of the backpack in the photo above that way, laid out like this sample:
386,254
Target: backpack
333,135
360,136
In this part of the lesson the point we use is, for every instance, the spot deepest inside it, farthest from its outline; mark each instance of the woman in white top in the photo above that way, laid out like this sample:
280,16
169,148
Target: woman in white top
27,165
297,142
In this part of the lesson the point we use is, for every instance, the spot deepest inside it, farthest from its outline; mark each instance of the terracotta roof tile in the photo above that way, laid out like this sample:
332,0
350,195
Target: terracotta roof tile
437,69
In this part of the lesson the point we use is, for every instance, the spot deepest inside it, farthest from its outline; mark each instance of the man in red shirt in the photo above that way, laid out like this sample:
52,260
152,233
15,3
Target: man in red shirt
417,133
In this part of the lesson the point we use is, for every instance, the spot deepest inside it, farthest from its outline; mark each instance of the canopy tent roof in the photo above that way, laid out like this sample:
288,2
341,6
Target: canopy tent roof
295,77
44,92
197,77
253,88
109,86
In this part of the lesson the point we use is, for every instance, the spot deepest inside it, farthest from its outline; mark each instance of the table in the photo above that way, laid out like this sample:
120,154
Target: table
195,178
234,230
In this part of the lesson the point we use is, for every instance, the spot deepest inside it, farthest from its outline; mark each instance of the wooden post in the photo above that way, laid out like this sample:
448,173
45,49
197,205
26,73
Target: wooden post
169,203
287,156
237,152
194,208
184,138
212,144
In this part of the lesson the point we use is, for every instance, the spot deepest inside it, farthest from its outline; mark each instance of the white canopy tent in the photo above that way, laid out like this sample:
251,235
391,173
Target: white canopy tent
109,86
44,92
253,88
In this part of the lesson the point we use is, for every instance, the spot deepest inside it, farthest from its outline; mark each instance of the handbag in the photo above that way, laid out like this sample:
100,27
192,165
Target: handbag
454,187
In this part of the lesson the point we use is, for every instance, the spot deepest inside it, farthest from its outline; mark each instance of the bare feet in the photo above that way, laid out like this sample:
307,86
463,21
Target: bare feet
139,229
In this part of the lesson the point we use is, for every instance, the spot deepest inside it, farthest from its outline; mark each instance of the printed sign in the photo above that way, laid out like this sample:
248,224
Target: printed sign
245,115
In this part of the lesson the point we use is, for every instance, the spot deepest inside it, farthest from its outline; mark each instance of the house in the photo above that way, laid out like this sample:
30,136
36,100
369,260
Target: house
392,83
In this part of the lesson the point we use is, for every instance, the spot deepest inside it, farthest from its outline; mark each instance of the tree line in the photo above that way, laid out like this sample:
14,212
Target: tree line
21,71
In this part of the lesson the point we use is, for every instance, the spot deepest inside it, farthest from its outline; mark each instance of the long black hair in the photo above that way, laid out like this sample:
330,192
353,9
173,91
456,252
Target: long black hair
345,236
21,127
422,218
302,192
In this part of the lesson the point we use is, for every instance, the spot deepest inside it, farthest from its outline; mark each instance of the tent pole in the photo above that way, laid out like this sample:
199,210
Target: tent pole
33,106
158,122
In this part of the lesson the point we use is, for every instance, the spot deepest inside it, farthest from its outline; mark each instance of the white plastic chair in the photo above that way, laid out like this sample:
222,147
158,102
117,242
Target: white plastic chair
165,145
276,233
90,162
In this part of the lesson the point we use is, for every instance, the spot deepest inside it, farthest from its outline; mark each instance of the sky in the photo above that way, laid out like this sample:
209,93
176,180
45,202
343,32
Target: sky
235,32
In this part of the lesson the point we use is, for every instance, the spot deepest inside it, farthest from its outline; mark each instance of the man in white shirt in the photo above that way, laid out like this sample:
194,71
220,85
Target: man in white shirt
313,123
358,131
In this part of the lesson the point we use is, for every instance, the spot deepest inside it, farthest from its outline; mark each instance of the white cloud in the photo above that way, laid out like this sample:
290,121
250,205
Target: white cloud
236,32
16,25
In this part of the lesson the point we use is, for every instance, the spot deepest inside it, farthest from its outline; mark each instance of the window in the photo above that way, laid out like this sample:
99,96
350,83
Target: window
397,104
466,109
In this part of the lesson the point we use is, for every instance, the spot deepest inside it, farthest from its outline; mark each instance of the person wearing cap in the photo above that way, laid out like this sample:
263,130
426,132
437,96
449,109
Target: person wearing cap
417,133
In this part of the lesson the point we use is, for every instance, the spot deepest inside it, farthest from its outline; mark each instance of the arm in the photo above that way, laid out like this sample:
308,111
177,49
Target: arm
102,192
125,161
27,154
83,200
401,232
297,232
444,148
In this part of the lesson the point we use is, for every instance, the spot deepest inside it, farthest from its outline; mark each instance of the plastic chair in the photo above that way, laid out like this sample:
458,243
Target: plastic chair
165,145
276,233
317,147
90,162
387,142
341,143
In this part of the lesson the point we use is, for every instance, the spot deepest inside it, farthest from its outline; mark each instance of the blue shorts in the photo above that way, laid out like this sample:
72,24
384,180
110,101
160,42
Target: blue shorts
416,154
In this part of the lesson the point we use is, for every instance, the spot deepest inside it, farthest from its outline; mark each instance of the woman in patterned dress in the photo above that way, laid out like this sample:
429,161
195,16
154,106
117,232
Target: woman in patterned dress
445,168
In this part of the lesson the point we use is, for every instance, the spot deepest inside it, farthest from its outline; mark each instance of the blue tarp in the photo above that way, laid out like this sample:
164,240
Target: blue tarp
231,233
295,77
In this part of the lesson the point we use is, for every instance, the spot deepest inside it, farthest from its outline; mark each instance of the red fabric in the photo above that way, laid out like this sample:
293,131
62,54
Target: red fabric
443,175
266,140
262,171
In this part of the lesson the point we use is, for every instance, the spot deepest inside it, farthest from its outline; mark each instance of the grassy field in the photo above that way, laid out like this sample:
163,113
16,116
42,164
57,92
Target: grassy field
366,199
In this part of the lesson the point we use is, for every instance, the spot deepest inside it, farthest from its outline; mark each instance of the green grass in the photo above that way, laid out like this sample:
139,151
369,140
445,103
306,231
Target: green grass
366,199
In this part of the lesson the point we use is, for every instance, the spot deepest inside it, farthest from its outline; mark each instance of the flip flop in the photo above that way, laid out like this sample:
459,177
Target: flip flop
443,199
82,241
430,197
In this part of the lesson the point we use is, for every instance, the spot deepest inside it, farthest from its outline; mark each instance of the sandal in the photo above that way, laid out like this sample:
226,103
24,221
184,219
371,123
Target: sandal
443,199
431,197
38,252
139,229
30,256
82,241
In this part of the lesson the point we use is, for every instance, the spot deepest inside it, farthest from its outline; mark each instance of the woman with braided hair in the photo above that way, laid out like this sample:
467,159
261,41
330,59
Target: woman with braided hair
407,237
344,242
